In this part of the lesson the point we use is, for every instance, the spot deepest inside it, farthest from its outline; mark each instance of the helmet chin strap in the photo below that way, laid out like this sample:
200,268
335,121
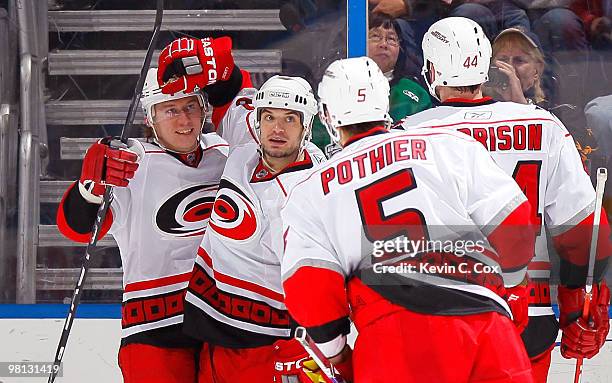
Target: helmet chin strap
305,133
332,131
195,146
299,157
389,74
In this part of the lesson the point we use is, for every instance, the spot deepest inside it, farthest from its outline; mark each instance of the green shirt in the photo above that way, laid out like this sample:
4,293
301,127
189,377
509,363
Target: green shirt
407,98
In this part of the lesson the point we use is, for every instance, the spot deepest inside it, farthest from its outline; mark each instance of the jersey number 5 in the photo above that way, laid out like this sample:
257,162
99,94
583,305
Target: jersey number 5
377,225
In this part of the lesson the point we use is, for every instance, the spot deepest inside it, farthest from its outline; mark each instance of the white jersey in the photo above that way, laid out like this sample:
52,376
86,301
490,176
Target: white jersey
415,185
158,221
534,147
235,297
237,126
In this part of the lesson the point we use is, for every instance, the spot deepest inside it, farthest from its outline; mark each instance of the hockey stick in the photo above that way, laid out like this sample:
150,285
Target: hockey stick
108,197
602,176
315,353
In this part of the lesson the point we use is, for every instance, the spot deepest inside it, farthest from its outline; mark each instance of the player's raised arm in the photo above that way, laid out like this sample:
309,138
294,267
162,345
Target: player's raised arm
189,64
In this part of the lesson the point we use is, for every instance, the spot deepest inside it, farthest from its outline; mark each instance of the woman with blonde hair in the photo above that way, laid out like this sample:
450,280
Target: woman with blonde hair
517,68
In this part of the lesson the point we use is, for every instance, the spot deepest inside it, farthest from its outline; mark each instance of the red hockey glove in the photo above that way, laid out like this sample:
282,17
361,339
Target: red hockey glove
105,166
581,338
517,298
186,64
292,361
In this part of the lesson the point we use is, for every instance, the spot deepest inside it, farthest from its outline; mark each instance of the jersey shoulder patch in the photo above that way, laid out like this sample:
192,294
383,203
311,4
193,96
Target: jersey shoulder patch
245,97
212,141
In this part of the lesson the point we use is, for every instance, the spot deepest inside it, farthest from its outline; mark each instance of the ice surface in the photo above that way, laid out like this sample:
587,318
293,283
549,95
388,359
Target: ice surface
91,355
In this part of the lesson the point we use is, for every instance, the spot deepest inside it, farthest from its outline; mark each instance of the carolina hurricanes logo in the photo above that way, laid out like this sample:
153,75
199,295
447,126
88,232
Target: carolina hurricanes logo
245,102
233,214
186,213
262,173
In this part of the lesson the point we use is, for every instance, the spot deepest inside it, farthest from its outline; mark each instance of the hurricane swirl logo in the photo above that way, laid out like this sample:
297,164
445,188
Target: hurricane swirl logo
233,214
245,102
186,213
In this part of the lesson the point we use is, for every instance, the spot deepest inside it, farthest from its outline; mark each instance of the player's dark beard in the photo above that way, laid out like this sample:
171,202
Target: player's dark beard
289,152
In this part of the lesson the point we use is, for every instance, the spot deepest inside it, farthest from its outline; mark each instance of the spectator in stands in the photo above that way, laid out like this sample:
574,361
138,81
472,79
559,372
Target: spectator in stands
518,75
599,120
564,29
557,23
557,26
294,14
492,15
596,16
518,66
393,8
400,11
387,49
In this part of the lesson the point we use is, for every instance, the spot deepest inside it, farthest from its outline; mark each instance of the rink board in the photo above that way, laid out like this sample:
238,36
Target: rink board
91,355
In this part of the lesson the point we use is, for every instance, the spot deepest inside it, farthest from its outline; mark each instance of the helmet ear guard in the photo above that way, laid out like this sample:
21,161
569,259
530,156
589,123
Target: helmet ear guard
334,134
429,72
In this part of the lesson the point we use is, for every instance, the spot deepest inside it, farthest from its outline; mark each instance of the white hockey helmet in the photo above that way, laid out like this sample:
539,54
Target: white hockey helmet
456,52
286,92
353,91
152,95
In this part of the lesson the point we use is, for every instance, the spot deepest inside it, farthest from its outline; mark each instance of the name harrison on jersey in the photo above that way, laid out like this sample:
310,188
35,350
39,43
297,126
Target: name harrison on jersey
370,162
506,137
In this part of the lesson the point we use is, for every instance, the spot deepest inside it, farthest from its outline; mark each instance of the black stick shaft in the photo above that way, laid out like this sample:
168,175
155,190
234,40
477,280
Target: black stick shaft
129,120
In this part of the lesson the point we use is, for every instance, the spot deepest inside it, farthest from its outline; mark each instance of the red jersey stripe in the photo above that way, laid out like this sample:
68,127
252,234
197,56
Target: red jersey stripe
160,282
215,146
233,281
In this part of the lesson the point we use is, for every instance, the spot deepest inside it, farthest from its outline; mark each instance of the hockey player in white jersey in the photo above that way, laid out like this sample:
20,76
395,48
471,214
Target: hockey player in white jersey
534,147
428,314
235,300
163,197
